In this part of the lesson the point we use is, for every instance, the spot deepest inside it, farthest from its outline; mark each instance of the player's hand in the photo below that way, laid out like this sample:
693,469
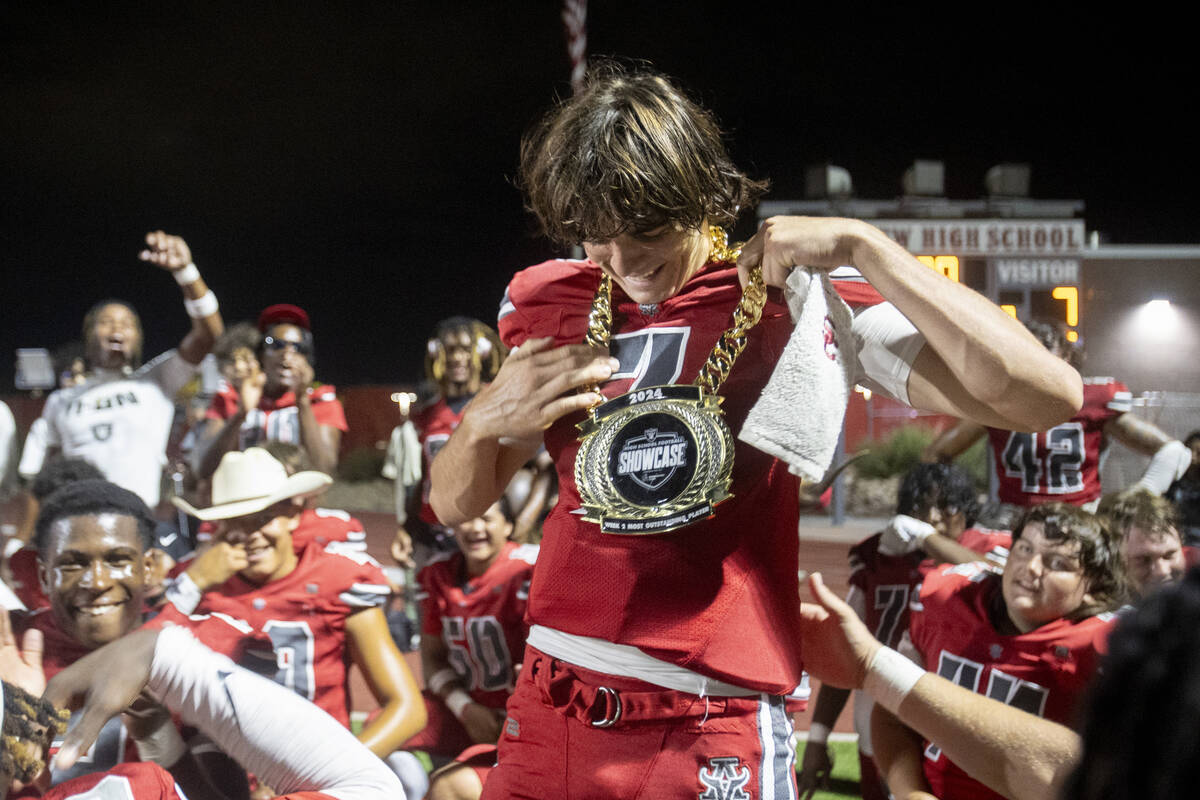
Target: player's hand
402,548
217,564
166,251
836,644
783,243
483,724
814,770
105,682
904,535
536,386
21,665
250,388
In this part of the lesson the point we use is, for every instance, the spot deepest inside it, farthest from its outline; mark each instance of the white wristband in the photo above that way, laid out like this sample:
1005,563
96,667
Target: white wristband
456,701
187,275
202,306
12,546
818,733
890,678
441,678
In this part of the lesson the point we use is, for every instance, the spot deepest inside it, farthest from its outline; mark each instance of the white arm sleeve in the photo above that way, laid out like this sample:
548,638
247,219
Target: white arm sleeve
289,743
887,346
1166,466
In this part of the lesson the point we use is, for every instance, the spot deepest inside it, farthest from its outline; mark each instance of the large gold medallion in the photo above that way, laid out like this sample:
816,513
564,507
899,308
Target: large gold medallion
654,460
661,457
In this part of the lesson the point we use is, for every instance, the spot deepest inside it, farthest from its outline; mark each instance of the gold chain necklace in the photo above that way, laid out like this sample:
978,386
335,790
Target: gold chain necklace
729,345
660,457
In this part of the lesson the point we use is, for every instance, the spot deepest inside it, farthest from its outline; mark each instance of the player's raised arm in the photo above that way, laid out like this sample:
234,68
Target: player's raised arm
172,254
977,362
502,427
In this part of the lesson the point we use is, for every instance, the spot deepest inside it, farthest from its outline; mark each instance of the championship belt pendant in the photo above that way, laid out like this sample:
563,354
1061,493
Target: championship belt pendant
654,460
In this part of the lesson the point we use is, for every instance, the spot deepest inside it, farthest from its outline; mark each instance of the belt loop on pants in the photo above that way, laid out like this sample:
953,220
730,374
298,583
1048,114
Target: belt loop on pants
611,707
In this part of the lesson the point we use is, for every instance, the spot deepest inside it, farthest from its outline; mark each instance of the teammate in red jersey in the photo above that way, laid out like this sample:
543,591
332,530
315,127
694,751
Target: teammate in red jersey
461,356
245,714
280,402
661,653
321,609
1032,637
1062,463
940,502
473,641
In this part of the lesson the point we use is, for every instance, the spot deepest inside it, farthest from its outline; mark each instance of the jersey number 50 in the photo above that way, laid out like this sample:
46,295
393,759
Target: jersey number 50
478,652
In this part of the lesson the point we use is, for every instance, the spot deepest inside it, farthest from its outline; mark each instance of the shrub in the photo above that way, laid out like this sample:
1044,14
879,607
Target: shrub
894,455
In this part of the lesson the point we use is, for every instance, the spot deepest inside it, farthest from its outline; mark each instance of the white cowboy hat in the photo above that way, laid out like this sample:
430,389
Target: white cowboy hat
248,482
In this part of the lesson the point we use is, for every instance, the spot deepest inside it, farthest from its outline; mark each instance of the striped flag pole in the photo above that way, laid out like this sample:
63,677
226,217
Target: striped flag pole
574,17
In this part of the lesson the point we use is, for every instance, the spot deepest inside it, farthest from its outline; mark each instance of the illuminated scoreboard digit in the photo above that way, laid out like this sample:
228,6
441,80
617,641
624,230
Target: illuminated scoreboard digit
947,265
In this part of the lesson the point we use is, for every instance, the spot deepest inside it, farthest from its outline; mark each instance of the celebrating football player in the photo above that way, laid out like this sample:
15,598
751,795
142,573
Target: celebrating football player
661,653
120,417
1032,637
1062,463
471,646
936,508
321,608
1147,526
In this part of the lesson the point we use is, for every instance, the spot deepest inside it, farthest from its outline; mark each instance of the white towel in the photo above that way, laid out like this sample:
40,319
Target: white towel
798,418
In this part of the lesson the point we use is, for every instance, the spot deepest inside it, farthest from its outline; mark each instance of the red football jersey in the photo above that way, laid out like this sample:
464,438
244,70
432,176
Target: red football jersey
1044,672
1063,463
304,616
434,424
139,781
25,584
277,419
326,525
482,619
887,583
703,596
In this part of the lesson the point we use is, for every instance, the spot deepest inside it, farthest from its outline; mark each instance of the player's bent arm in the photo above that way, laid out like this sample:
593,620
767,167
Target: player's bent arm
898,752
977,362
289,743
216,438
402,712
944,550
953,442
321,442
502,426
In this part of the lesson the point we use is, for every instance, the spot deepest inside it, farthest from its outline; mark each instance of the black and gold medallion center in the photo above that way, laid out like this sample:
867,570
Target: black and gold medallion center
654,460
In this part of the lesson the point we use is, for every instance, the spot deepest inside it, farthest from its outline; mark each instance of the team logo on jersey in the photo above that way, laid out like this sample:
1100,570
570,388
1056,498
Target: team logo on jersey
724,779
102,432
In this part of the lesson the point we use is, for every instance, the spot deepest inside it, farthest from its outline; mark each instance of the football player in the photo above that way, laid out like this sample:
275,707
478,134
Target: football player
472,643
1147,526
461,356
1062,463
321,608
1032,637
93,540
279,402
643,643
936,509
120,417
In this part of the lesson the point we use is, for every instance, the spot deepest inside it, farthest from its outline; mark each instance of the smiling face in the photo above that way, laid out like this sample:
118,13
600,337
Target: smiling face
1043,579
462,373
482,538
266,536
114,338
94,572
652,266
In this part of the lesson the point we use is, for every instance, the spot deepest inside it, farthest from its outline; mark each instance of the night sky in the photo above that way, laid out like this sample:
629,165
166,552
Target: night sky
357,158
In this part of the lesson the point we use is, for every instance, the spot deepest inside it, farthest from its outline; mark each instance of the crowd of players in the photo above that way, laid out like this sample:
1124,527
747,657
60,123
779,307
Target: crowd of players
207,653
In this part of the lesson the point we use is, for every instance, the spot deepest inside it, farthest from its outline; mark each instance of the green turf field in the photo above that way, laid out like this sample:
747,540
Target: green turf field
843,783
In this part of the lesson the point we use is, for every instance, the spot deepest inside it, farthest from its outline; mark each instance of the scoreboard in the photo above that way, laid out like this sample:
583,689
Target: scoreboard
1030,268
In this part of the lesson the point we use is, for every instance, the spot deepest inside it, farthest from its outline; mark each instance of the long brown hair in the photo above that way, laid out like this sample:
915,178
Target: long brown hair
629,152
